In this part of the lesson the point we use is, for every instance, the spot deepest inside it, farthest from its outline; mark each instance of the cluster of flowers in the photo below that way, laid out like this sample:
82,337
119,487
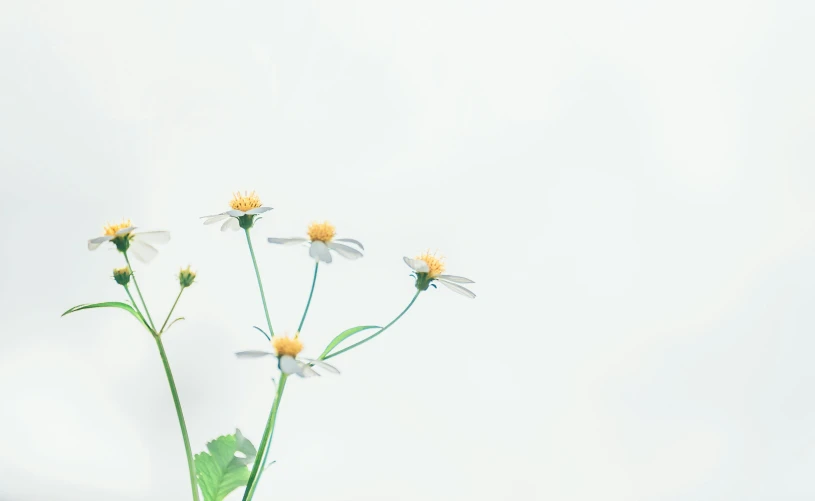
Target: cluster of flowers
322,243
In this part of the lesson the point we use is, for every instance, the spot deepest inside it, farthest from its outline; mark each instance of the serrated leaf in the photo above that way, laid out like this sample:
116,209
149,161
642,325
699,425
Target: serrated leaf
342,336
220,471
110,304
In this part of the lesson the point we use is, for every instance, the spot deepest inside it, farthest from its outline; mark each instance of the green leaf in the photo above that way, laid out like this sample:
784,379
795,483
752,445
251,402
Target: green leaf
110,304
342,336
220,471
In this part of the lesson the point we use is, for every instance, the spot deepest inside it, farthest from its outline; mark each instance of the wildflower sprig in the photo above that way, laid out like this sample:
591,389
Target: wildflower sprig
125,240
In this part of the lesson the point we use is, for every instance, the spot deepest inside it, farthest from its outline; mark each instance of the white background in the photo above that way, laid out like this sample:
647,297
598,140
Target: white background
629,183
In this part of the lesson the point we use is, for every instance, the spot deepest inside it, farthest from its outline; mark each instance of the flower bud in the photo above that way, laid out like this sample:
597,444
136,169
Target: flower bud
186,277
122,275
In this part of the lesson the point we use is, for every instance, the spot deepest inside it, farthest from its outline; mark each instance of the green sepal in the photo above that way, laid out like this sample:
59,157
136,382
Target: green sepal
220,471
342,336
111,304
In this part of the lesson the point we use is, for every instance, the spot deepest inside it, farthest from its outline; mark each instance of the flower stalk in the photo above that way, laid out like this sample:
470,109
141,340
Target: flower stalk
265,442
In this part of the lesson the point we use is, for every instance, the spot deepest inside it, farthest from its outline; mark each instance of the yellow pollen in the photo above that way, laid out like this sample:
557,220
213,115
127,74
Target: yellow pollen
245,202
323,232
284,345
434,263
111,229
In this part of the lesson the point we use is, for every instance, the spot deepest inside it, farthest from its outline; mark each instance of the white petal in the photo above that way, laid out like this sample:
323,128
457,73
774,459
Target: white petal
289,365
259,210
153,237
144,252
350,240
417,265
125,231
231,224
235,213
288,241
455,279
253,354
344,250
306,370
321,364
215,218
457,288
96,242
319,251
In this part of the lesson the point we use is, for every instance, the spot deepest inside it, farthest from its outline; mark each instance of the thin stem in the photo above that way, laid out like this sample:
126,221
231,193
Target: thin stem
135,304
260,284
259,466
190,462
313,283
380,331
171,311
136,283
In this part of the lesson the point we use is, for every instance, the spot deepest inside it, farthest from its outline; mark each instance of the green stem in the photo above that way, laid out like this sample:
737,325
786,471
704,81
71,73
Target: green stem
380,331
135,304
136,283
260,284
190,462
171,311
313,283
259,466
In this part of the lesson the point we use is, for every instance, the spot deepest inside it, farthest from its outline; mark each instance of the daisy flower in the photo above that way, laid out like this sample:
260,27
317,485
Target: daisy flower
321,240
244,209
122,236
429,268
287,350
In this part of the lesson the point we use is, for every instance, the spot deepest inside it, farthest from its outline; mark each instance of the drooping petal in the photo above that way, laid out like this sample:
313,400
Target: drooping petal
259,210
417,265
214,219
253,354
306,370
235,213
350,240
321,364
455,279
344,250
457,288
231,224
96,242
153,237
289,365
143,251
319,251
288,241
125,231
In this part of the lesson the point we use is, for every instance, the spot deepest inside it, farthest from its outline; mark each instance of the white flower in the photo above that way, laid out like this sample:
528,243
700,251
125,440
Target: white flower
287,350
244,205
321,240
122,236
429,268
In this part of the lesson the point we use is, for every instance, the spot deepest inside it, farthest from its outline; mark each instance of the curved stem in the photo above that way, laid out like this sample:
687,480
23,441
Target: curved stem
259,466
136,283
171,311
260,284
380,331
180,413
313,283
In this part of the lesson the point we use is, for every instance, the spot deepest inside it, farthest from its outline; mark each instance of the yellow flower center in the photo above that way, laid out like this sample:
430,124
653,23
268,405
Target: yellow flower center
285,345
245,202
323,232
122,271
111,229
434,263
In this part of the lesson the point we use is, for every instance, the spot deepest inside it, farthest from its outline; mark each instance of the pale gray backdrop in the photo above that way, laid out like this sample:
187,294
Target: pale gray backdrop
629,183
